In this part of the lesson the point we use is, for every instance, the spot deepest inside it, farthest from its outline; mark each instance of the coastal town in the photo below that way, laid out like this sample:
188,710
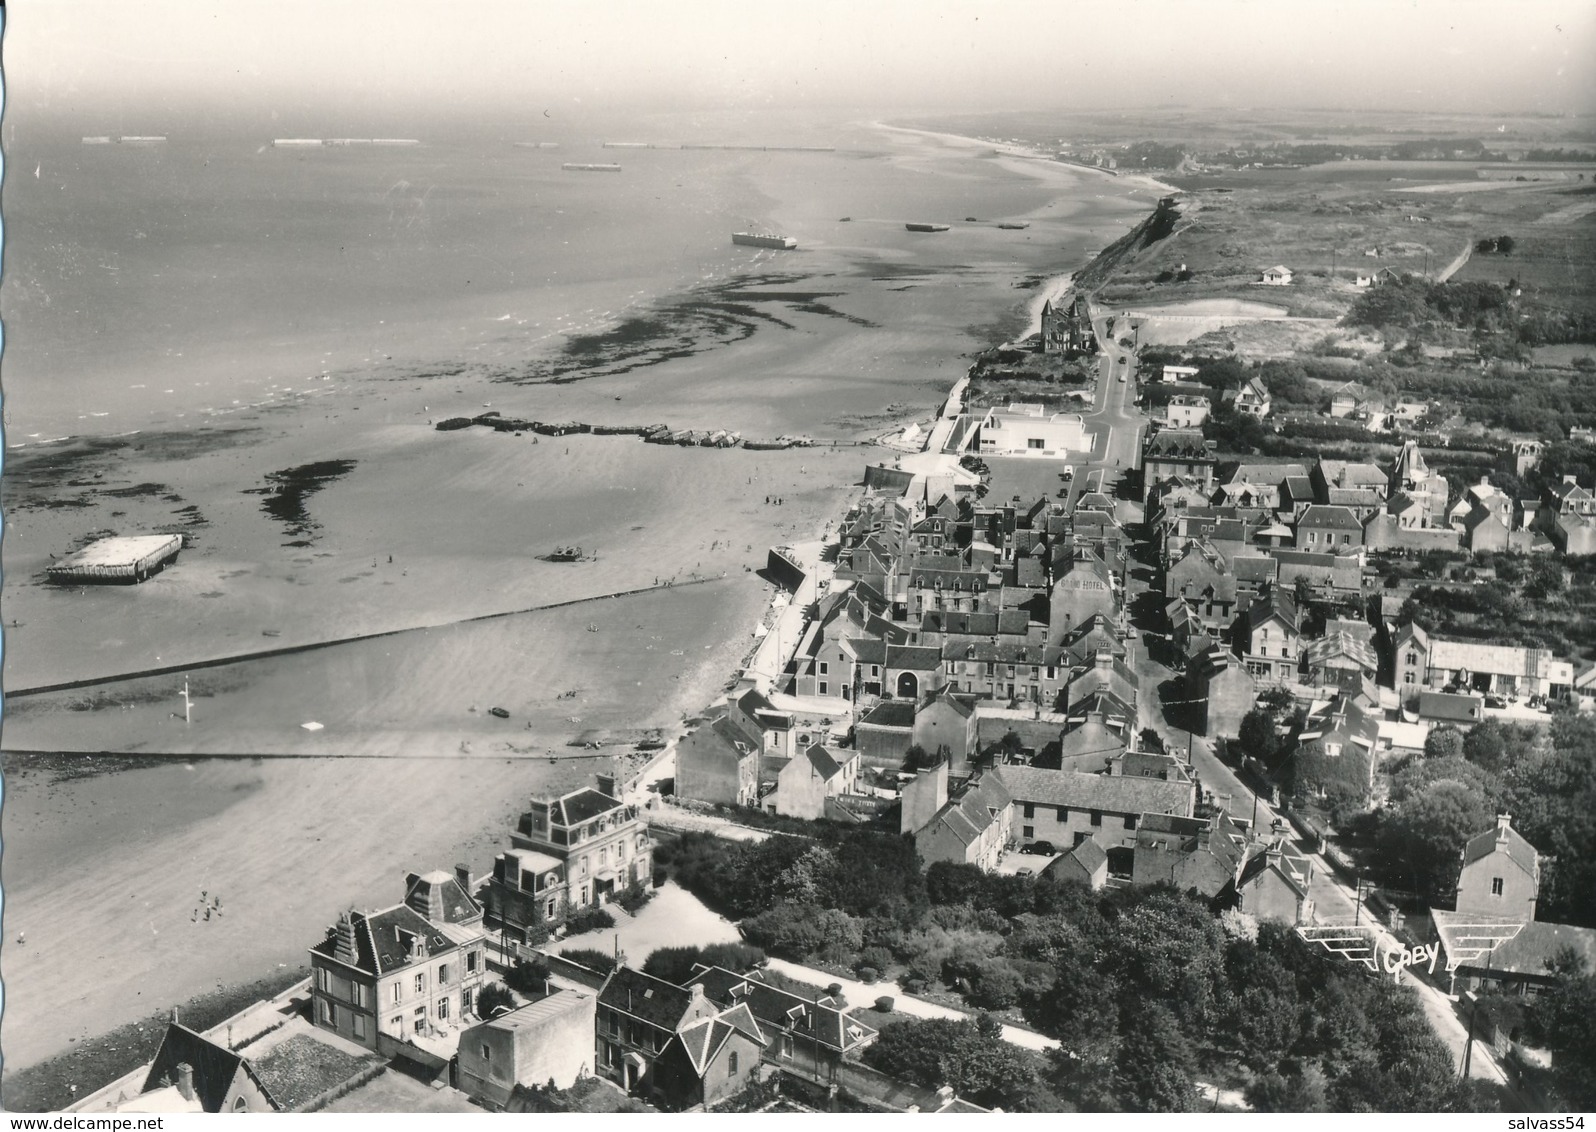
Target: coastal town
799,560
1043,651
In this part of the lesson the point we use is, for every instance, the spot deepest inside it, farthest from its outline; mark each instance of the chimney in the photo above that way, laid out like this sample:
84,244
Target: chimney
696,991
1504,822
346,950
462,874
1104,657
606,785
185,1080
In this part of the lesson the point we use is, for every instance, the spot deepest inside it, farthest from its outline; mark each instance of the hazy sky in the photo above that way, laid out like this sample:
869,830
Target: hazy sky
1506,55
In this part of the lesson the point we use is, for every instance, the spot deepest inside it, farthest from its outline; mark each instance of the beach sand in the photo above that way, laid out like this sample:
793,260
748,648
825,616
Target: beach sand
104,872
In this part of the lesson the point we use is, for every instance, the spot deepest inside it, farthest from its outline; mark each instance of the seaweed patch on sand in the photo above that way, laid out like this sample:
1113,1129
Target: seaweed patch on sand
701,320
287,491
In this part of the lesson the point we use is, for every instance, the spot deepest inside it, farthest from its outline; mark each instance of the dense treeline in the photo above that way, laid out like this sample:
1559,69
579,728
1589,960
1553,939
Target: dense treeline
1145,989
1546,781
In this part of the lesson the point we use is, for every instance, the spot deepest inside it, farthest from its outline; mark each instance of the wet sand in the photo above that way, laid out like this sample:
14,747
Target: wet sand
103,873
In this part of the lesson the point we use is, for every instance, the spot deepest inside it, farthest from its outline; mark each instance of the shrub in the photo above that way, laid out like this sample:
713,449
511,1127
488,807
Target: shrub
739,957
913,984
673,964
491,997
587,920
591,958
635,896
878,957
528,976
868,975
886,1003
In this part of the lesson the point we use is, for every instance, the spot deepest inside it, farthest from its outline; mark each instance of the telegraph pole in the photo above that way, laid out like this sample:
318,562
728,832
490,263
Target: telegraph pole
187,703
1357,902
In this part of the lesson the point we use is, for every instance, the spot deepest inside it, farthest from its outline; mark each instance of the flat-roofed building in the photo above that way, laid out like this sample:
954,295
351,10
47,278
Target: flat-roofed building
125,560
1024,429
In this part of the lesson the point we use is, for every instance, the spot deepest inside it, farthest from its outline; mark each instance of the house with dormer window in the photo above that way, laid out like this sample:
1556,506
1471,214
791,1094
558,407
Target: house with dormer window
807,1037
574,850
410,972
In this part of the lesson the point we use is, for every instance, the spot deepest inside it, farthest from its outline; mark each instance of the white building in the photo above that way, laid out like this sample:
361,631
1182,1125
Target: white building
1277,276
1025,429
1187,412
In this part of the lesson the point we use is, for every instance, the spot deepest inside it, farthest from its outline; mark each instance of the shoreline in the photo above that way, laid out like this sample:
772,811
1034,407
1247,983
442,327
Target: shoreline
257,825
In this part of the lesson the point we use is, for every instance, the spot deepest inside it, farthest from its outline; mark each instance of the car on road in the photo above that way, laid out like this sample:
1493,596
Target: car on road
1122,379
498,712
1068,473
1044,848
1024,872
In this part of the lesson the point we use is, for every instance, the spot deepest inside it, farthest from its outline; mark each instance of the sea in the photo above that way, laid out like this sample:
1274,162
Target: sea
156,285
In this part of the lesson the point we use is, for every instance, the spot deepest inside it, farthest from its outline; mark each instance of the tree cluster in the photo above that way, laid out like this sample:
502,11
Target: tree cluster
1548,784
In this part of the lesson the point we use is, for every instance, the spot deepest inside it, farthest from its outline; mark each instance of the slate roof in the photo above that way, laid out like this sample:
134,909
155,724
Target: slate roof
643,996
1518,850
702,1040
866,650
1277,604
440,897
1178,444
1478,942
916,658
215,1066
582,805
1088,857
826,764
784,1010
1114,793
1290,864
1324,516
382,940
890,713
1254,568
1340,644
1451,708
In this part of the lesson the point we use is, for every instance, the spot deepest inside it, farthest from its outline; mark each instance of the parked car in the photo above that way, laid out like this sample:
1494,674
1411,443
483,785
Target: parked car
499,712
1495,702
1024,872
1045,848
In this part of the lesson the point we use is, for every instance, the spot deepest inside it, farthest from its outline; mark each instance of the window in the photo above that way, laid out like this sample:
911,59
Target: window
329,1015
786,1045
240,1105
1063,813
1033,443
1030,810
825,669
550,910
467,1000
1052,672
1130,821
1263,650
321,978
731,1064
1036,672
989,668
1408,678
1027,832
875,670
1080,839
421,982
1011,672
443,973
824,687
398,992
1413,658
1496,886
471,961
443,1008
1097,817
360,1027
